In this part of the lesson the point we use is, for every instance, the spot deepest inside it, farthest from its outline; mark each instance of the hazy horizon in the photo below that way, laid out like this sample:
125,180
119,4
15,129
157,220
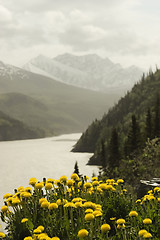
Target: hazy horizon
126,32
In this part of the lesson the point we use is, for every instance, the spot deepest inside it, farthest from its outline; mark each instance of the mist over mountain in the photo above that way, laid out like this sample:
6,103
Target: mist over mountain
88,71
56,107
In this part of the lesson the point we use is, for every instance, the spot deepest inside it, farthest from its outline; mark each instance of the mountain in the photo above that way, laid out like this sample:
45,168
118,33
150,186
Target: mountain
12,129
41,101
123,131
88,71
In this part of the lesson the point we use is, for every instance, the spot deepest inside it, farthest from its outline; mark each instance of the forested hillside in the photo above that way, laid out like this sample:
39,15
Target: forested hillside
11,129
128,129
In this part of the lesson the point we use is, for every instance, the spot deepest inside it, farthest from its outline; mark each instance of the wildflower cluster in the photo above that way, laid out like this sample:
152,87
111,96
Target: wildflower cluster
77,208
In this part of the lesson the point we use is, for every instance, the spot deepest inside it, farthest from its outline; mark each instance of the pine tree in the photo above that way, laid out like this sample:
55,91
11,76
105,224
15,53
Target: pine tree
76,169
148,124
133,139
114,152
156,130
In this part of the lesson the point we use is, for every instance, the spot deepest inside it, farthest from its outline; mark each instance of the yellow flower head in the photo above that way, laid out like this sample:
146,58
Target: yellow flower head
41,228
55,238
97,213
105,228
89,210
133,214
21,189
147,221
94,179
37,231
70,183
50,180
75,177
2,235
4,208
28,238
42,200
32,181
142,232
63,179
121,226
147,235
24,220
120,221
120,181
45,204
95,183
87,185
89,217
83,233
69,204
52,206
28,189
7,195
48,186
78,204
39,185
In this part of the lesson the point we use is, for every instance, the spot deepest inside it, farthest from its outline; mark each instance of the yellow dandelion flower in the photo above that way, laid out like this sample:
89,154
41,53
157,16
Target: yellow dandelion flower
147,221
147,235
97,213
89,210
87,185
48,186
55,238
133,214
70,183
95,183
28,189
89,217
69,204
94,179
7,195
37,231
75,177
78,204
83,233
45,204
24,220
63,179
120,181
4,208
120,221
26,194
28,238
32,181
21,189
113,218
2,235
40,228
52,206
39,185
50,180
42,200
142,232
105,228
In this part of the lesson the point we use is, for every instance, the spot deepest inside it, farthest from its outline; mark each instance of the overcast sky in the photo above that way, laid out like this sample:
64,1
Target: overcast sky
126,31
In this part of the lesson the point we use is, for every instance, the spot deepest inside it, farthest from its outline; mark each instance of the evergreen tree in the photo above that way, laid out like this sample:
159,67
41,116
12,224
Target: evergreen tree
103,156
133,140
157,118
148,124
76,169
114,152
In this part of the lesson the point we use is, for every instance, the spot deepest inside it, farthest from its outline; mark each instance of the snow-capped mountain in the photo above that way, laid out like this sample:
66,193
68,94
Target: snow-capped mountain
88,71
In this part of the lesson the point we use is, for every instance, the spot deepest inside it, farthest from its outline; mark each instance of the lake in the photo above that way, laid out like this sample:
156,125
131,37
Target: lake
47,157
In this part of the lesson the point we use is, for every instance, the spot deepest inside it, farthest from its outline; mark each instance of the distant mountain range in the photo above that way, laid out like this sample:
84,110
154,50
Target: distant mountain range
43,102
88,71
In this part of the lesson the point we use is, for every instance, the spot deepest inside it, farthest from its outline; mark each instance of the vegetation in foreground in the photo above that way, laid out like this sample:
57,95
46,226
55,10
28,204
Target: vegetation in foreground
80,209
